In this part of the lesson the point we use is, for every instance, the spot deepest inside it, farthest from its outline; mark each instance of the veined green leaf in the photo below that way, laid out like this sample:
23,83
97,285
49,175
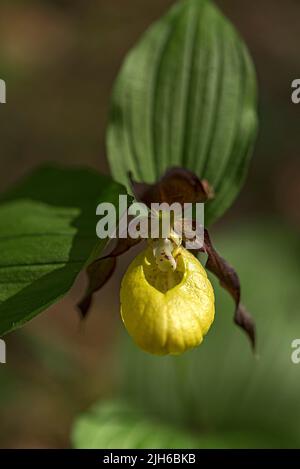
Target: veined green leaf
47,233
186,96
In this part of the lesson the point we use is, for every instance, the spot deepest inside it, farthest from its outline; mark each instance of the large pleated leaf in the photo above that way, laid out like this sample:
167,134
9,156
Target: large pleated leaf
186,96
47,234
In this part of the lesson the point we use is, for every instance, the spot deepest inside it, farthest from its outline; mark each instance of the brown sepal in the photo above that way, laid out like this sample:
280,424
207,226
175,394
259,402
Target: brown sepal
230,281
176,185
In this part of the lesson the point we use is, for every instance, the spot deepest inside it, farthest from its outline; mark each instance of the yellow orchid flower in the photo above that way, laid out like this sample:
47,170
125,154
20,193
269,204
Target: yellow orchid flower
167,301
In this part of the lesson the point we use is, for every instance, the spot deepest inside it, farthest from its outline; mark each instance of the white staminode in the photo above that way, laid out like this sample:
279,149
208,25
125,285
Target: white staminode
163,254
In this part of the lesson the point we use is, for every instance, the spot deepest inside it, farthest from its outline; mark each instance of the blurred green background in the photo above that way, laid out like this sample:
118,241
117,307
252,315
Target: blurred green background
59,59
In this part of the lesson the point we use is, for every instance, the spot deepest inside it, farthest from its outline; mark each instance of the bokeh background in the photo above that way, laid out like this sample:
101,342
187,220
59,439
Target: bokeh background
59,59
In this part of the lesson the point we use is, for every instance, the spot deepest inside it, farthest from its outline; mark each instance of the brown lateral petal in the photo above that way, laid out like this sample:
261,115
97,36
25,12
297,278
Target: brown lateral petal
230,281
99,272
176,185
123,245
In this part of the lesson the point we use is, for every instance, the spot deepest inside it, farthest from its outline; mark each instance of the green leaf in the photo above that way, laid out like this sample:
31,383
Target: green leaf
117,425
47,233
186,96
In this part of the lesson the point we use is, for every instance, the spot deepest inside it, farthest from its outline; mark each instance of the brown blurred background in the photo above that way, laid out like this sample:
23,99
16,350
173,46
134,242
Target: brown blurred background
59,59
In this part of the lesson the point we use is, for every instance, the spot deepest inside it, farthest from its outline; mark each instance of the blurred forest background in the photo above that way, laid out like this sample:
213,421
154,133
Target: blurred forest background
59,59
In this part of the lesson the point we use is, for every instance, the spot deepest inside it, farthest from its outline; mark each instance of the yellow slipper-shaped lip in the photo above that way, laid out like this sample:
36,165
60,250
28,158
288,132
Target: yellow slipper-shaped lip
167,312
